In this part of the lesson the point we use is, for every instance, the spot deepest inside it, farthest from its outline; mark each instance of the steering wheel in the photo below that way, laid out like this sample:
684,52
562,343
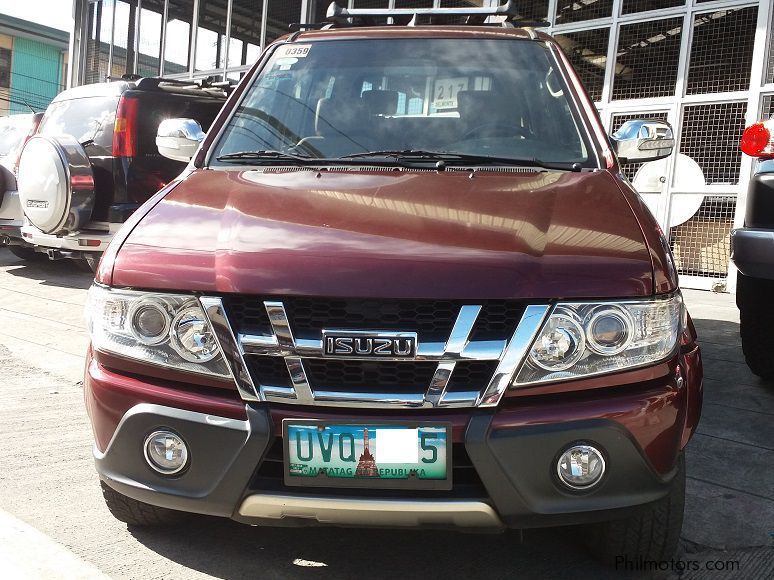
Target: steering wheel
499,130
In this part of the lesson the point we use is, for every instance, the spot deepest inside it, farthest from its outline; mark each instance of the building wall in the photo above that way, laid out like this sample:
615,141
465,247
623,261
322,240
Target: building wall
36,75
6,44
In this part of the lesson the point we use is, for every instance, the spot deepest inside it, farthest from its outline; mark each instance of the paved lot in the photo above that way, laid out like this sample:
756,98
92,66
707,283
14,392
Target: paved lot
47,480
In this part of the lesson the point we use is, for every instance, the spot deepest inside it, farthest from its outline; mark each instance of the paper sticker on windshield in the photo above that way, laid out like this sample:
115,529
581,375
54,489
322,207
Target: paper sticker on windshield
293,50
445,92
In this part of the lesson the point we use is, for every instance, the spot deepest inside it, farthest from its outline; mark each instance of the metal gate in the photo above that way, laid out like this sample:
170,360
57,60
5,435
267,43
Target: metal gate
705,67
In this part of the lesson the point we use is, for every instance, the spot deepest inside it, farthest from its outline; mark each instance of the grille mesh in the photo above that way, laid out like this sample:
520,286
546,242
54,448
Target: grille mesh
471,375
632,6
269,370
702,245
365,376
647,58
247,314
574,11
430,319
587,51
369,376
710,136
722,50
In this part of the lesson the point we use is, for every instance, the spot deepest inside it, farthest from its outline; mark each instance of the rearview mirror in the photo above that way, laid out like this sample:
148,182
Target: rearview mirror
179,139
638,141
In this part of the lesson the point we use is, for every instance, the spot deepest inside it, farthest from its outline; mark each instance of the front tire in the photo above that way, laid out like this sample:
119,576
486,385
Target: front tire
755,299
652,534
137,513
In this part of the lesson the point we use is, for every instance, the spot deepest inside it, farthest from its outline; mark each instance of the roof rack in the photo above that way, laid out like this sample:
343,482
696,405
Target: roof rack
337,15
206,85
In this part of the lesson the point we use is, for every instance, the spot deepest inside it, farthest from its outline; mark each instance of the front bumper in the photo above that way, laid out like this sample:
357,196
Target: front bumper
512,449
752,251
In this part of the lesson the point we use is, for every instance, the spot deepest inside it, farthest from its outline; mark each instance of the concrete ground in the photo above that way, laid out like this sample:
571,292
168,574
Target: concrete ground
52,515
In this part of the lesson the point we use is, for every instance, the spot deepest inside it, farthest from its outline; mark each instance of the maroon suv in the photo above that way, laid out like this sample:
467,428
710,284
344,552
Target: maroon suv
402,282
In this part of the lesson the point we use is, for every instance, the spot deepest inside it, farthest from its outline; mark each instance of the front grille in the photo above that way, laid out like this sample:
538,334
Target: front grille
466,483
369,376
371,381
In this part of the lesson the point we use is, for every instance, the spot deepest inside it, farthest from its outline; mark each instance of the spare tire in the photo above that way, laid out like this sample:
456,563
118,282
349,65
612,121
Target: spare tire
56,184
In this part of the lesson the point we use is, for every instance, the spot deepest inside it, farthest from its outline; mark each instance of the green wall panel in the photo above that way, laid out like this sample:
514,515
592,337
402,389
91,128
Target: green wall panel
36,75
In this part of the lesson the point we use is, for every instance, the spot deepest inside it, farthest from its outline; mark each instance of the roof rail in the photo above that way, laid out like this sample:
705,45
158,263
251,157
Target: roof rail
412,16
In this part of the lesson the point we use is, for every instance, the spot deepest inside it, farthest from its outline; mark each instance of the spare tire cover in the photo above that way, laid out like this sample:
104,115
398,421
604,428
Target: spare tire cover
56,184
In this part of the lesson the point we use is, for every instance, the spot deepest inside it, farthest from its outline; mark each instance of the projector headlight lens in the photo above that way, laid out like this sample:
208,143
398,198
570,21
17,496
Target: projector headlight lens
580,339
168,330
150,321
609,330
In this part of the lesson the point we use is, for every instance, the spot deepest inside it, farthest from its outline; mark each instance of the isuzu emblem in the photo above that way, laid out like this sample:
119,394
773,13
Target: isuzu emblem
369,344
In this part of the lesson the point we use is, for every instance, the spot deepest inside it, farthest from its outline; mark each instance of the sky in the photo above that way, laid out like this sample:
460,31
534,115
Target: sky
53,13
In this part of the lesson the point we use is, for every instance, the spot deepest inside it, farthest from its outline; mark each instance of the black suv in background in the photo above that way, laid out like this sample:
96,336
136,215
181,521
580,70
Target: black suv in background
101,138
752,250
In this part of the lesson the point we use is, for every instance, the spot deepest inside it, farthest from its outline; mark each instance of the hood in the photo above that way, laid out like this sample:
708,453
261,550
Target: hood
398,234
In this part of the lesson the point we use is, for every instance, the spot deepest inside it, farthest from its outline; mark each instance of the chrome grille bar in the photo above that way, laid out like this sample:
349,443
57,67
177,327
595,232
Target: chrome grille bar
458,347
455,346
280,325
229,346
526,331
264,345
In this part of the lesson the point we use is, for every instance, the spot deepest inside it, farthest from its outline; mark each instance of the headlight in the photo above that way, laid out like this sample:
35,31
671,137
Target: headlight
588,338
163,329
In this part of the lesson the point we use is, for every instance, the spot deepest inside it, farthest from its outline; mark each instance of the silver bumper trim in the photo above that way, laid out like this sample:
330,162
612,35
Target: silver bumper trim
370,512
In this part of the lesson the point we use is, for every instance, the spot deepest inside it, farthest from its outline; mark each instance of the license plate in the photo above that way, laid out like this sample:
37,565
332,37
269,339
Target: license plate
376,455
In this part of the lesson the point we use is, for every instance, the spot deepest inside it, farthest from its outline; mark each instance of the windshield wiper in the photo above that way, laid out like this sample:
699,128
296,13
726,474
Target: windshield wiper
266,154
442,156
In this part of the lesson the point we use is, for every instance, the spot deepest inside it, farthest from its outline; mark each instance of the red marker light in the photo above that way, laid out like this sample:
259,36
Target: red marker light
756,140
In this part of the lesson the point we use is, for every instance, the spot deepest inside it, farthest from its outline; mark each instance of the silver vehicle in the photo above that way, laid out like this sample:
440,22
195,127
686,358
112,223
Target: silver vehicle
15,130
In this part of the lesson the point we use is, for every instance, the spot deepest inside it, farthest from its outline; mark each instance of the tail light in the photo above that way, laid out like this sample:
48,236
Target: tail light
757,140
36,119
125,128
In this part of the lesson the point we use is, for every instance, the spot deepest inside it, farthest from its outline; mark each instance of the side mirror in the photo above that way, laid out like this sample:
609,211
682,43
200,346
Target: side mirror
638,141
179,139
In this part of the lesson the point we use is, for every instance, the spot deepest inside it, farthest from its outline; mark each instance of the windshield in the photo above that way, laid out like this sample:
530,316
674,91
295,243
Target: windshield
331,99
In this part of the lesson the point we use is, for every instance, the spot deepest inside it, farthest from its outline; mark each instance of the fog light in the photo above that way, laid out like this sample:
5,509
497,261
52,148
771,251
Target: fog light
581,467
166,452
